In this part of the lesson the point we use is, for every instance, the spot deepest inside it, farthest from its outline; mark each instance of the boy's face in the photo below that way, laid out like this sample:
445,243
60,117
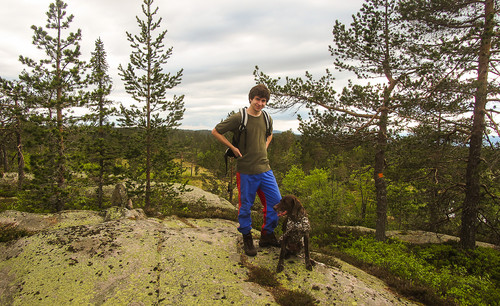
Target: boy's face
258,103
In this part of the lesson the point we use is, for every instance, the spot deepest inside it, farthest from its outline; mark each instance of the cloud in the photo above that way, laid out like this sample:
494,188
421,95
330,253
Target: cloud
216,43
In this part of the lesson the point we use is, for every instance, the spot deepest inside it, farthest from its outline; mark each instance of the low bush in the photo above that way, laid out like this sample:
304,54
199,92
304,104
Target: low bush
466,278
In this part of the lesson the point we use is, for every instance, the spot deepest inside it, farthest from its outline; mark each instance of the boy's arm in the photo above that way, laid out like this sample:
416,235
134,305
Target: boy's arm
226,142
268,141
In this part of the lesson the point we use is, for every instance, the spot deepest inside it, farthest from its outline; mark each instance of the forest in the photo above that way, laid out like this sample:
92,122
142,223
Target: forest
411,144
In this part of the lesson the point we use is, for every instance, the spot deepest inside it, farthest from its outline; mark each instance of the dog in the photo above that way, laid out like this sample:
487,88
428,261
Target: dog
296,230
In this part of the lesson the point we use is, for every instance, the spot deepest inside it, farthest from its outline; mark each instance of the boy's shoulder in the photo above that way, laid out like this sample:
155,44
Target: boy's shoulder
244,120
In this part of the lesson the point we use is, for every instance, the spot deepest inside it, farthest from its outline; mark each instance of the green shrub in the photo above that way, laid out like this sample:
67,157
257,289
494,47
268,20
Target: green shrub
324,200
479,262
451,281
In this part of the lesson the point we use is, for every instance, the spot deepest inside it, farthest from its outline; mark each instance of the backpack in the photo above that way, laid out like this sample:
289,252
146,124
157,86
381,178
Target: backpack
242,128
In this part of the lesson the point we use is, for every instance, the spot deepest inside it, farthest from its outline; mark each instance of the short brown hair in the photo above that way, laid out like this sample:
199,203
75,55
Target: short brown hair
259,90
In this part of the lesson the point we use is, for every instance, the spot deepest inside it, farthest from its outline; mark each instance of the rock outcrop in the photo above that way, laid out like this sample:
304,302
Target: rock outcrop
198,198
418,236
123,258
119,197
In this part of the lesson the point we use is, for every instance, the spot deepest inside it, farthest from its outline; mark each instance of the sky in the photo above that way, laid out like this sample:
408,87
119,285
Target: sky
217,43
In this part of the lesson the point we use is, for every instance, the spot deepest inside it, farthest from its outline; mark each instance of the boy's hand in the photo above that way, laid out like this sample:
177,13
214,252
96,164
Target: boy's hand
237,152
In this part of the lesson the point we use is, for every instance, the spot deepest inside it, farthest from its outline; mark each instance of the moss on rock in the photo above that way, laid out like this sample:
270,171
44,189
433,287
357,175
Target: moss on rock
79,258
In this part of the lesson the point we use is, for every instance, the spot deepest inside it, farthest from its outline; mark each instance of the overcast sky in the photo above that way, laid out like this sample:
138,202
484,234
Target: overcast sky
217,43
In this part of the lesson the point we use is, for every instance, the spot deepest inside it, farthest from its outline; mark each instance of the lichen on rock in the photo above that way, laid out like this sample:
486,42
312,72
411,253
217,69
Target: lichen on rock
87,258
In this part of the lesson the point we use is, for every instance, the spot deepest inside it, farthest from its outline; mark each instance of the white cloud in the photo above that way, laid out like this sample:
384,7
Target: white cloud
217,43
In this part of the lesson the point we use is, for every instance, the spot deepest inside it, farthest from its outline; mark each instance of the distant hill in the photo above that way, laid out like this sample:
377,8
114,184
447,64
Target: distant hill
209,131
494,139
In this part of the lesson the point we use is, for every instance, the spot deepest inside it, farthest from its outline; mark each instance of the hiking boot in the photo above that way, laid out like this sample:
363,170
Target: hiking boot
267,240
248,245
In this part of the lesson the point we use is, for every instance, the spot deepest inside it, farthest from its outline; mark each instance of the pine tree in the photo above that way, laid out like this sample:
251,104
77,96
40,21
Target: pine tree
55,79
14,113
375,45
147,83
463,41
12,116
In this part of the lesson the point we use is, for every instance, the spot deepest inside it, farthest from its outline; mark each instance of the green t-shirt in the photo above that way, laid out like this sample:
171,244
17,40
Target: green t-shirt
252,144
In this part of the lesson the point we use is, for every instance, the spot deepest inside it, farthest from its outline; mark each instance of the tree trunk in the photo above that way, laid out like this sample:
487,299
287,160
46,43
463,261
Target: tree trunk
433,211
472,183
5,160
380,184
20,155
20,161
147,200
363,205
59,120
147,203
60,158
100,184
101,148
378,173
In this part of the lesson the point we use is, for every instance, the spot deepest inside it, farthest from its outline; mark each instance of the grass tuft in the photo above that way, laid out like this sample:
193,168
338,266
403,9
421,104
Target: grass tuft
10,232
294,297
262,276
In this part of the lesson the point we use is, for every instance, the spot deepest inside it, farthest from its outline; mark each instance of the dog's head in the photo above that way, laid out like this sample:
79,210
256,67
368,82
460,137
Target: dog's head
291,207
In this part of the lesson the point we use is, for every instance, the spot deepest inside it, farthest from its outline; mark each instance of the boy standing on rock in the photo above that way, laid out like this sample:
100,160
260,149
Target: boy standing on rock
253,174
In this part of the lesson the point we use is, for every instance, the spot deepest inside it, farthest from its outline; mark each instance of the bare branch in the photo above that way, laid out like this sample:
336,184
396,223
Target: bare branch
333,108
495,125
369,121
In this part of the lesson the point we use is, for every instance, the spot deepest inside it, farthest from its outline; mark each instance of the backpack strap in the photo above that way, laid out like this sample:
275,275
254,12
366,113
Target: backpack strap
268,123
244,118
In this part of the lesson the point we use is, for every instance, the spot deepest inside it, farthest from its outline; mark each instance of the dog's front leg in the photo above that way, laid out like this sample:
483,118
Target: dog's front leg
280,266
306,252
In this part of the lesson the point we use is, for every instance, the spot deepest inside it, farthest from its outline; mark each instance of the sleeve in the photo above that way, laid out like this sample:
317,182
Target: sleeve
230,124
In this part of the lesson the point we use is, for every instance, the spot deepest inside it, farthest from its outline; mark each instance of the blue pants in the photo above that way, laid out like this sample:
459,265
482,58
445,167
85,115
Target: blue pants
265,186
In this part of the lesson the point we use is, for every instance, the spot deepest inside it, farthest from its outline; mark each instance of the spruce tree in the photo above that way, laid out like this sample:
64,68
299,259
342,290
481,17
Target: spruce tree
100,146
147,83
